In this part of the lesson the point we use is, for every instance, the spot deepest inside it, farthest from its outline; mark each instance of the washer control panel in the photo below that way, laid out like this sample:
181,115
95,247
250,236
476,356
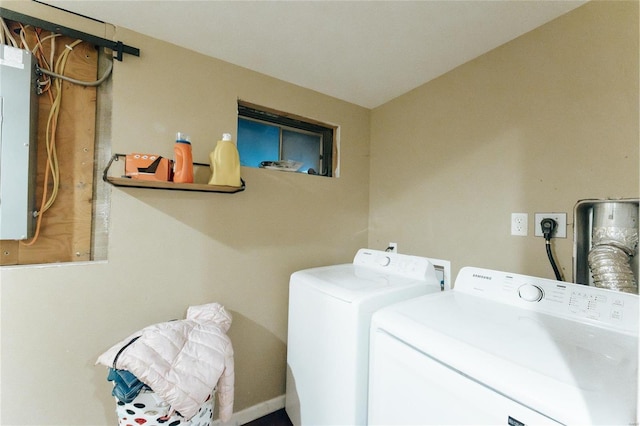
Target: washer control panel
394,263
414,267
569,300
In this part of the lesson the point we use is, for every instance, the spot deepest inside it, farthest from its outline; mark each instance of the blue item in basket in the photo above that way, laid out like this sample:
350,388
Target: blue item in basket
126,385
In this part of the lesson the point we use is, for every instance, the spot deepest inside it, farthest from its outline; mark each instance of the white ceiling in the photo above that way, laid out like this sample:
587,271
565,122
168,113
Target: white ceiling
364,52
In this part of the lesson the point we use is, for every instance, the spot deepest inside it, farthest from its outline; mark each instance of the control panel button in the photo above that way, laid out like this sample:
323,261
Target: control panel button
530,293
616,313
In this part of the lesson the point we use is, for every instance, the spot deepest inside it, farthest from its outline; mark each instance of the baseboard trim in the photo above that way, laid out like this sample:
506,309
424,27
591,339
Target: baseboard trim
255,412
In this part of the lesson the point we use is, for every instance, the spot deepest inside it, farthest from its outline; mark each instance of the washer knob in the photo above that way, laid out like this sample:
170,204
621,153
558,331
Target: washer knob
384,260
530,293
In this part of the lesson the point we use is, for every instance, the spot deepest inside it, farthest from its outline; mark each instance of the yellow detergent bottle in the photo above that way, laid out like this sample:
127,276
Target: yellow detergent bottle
225,163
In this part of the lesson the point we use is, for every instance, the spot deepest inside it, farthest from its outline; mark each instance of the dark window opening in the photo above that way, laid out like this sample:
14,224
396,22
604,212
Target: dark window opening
281,141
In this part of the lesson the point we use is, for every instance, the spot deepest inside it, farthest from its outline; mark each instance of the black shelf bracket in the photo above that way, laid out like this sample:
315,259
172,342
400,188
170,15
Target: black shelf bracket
117,46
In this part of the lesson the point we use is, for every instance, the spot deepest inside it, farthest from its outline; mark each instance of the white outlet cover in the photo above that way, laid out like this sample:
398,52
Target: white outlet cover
520,224
560,218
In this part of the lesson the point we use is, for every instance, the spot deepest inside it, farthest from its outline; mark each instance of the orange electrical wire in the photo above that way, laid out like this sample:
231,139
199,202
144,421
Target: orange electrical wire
54,123
44,195
40,215
42,60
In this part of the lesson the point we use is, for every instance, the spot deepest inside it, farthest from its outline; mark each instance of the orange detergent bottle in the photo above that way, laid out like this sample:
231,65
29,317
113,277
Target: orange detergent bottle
183,167
225,163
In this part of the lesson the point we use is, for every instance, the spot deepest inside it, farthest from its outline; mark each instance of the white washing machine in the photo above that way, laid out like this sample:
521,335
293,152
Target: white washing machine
328,335
506,349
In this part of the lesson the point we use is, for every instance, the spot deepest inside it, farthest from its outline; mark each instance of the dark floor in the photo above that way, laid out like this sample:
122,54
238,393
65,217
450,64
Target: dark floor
277,418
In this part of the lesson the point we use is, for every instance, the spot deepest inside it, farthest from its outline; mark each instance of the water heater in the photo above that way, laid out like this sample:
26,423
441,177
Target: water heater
18,135
606,244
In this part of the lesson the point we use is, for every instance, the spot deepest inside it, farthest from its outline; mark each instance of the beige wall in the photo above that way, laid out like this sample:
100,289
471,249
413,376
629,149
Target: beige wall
449,163
169,250
532,126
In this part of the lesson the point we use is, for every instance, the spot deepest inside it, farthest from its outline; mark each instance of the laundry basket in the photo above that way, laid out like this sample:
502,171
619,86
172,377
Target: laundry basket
149,409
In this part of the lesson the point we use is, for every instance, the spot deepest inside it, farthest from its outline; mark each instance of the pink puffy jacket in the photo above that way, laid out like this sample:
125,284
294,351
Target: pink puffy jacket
183,360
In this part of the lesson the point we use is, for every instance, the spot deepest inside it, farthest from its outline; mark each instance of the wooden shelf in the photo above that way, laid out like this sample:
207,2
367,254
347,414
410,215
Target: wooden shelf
138,183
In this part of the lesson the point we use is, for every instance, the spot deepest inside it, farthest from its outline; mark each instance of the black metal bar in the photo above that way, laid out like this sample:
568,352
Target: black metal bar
116,46
105,173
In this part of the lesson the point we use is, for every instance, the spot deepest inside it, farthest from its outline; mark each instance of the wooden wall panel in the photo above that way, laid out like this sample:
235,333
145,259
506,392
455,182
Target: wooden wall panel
65,233
8,252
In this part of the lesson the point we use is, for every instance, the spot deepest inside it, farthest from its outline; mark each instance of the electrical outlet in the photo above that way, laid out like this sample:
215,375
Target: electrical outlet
519,224
393,247
561,220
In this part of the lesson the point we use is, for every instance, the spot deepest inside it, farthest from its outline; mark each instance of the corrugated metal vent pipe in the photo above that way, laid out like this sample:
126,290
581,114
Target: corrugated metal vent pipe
614,243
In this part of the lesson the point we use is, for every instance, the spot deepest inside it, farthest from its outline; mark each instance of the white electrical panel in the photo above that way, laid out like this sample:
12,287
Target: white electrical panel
18,135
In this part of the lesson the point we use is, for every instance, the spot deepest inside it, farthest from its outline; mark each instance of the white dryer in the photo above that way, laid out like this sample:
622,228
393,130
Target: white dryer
328,334
506,349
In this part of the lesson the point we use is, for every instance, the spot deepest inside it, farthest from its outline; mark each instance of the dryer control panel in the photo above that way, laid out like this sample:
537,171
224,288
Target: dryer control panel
415,267
573,301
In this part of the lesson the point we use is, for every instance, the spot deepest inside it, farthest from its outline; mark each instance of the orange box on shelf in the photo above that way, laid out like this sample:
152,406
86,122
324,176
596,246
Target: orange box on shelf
148,167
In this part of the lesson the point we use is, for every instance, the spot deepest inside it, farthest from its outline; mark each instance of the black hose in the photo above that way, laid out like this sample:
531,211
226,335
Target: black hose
548,226
552,261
